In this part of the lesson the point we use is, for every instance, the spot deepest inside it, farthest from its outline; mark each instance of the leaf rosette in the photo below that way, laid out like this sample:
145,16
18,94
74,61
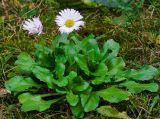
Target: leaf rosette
79,71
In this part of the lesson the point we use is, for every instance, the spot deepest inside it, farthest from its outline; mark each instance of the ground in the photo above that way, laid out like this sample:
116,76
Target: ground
138,34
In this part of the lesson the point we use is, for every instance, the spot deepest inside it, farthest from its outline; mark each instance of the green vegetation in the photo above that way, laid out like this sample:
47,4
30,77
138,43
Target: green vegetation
42,63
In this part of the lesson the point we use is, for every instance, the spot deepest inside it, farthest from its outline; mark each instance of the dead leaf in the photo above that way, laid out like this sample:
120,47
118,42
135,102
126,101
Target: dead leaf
4,92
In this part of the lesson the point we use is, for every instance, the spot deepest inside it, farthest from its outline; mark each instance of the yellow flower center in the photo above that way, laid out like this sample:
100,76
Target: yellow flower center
69,23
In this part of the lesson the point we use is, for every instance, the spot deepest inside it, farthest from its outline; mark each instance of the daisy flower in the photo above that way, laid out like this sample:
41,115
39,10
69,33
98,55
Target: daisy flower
69,20
33,26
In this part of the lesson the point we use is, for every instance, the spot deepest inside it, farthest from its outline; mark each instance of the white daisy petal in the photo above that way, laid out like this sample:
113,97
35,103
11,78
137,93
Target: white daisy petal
33,26
69,20
64,29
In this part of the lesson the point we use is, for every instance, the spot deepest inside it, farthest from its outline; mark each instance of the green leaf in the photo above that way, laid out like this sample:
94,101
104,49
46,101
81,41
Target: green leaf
101,70
147,72
41,48
89,101
77,43
113,94
44,75
89,39
127,5
108,111
23,84
89,3
64,81
34,102
25,62
134,87
43,55
72,98
91,48
77,110
80,84
60,59
72,75
60,70
90,43
154,102
120,76
70,52
92,57
27,12
60,66
60,39
82,63
110,50
122,20
112,3
115,65
31,13
61,91
100,80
